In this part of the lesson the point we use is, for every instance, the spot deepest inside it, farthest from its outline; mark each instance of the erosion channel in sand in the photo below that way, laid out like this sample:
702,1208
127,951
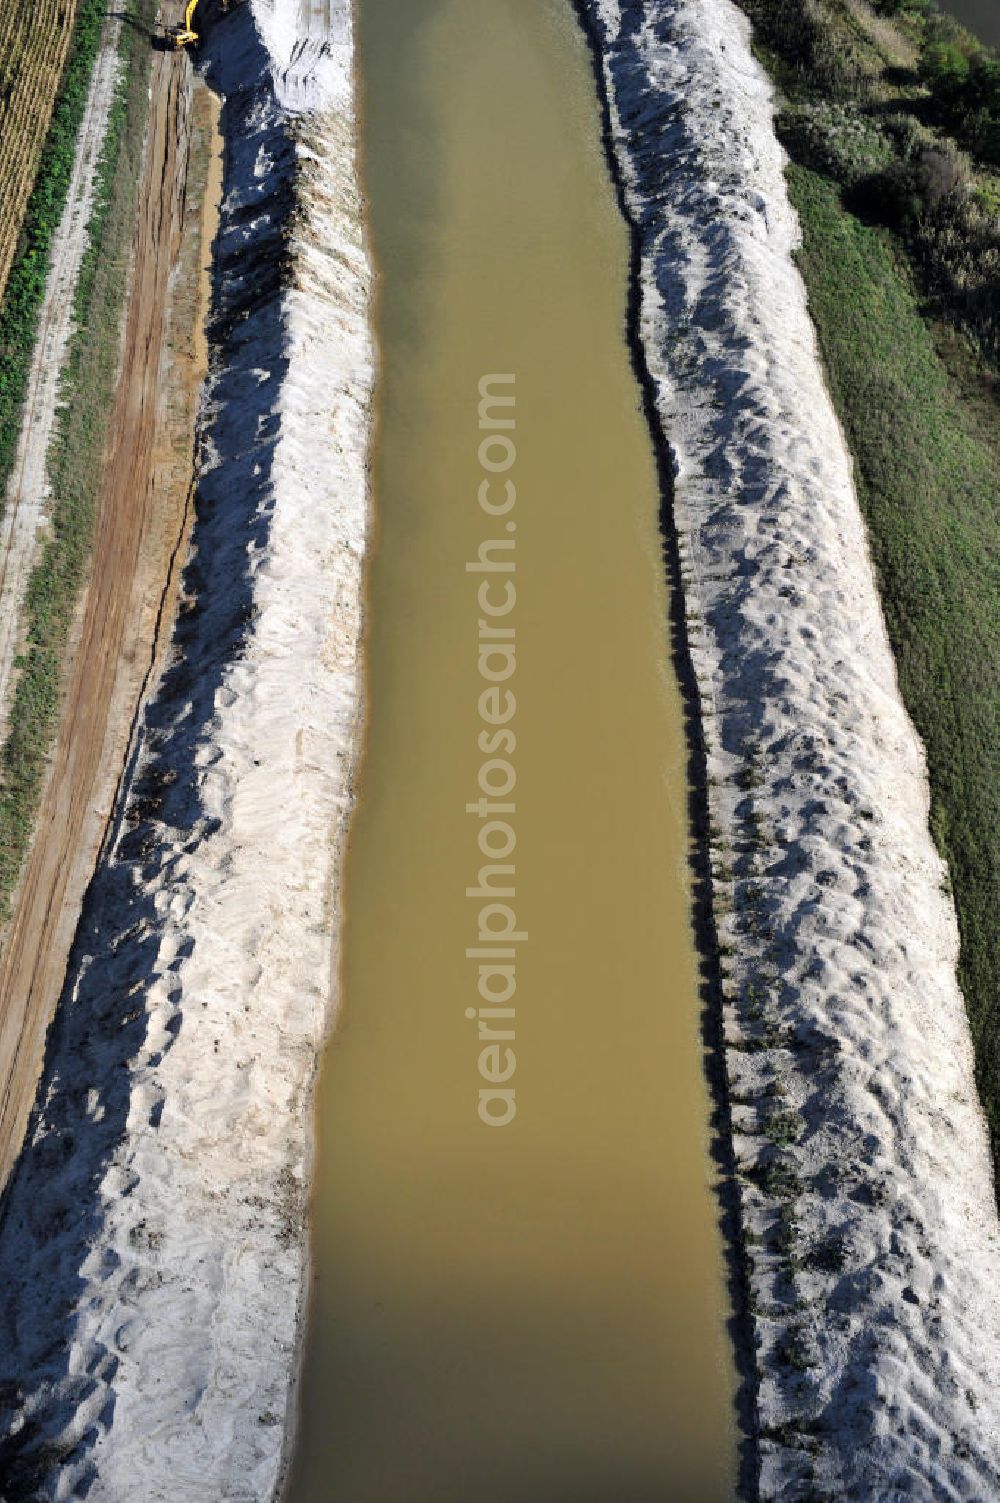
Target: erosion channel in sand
534,1311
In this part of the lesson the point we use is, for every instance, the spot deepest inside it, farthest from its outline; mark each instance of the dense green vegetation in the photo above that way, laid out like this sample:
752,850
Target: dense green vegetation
963,78
26,284
901,260
875,104
75,466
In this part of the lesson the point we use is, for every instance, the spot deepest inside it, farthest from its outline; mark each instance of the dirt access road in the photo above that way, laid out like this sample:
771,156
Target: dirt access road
128,605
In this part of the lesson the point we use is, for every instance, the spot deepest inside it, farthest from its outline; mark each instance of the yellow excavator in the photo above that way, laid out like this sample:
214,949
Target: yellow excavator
184,35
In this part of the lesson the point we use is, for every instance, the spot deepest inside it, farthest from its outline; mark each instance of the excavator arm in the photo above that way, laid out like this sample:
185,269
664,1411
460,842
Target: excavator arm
185,35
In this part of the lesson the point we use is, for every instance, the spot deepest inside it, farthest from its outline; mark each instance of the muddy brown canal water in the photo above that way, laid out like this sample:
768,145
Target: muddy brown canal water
529,1310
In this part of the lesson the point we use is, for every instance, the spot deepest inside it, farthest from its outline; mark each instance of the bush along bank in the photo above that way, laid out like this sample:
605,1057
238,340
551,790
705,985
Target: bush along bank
901,260
76,461
903,114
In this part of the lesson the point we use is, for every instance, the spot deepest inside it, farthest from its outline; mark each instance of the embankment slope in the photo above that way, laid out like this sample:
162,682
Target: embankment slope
153,1242
865,1179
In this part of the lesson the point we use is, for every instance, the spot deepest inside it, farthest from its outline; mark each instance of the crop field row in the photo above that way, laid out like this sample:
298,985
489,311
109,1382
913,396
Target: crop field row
22,298
34,39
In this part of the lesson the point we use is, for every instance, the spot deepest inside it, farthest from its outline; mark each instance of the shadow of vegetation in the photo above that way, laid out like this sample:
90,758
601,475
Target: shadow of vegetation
123,1005
137,24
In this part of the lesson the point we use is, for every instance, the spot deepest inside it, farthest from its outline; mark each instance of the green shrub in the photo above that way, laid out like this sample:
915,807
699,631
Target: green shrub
964,82
944,66
910,189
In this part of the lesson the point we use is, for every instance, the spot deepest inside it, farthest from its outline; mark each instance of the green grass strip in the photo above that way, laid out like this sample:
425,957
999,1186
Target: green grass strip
928,474
75,465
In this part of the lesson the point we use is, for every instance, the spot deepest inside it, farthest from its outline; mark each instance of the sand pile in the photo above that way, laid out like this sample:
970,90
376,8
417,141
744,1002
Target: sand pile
153,1243
864,1171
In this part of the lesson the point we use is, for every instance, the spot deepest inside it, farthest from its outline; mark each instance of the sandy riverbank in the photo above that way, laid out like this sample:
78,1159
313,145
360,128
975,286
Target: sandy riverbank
154,1232
865,1180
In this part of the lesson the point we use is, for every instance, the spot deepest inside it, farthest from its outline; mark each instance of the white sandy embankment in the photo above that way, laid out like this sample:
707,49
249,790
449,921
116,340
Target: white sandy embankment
865,1177
152,1250
24,512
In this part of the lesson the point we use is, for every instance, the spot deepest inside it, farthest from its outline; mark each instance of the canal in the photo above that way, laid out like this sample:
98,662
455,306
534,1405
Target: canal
982,17
518,1293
